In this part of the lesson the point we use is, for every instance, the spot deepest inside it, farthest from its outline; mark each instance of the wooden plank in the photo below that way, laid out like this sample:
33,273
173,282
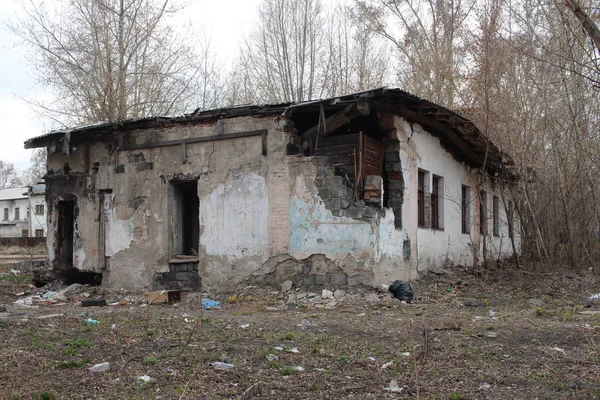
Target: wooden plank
339,119
351,138
177,142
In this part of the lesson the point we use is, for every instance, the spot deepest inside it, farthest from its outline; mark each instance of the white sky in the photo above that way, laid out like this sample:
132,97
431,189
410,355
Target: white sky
224,21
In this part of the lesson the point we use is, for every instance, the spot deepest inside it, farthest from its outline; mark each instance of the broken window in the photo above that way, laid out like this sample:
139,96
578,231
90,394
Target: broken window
483,212
510,219
466,209
39,233
25,233
437,202
66,229
496,216
185,218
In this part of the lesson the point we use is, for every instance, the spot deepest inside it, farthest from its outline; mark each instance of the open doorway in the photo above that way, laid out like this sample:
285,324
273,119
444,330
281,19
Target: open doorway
66,210
185,218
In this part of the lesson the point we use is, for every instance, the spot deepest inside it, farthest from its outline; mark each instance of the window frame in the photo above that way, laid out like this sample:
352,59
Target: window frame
483,212
421,175
6,214
437,210
39,207
39,233
17,214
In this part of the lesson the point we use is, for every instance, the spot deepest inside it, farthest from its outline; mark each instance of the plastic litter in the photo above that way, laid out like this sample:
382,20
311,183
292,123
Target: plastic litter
394,387
221,366
90,321
402,290
299,369
386,365
272,357
145,379
294,350
103,367
209,304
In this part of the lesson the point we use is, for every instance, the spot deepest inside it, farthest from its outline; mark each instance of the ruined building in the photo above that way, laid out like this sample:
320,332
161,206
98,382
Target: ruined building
355,190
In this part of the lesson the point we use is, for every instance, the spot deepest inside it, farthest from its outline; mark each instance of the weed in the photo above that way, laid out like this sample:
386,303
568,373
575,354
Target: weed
72,364
287,370
38,344
44,396
70,352
20,279
273,364
455,396
150,360
288,336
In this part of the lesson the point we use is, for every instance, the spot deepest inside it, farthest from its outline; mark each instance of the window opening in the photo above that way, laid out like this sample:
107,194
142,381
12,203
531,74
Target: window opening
496,216
437,211
421,198
466,209
483,212
17,214
39,209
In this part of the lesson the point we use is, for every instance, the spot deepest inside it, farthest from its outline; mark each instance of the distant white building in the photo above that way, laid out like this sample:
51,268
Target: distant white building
23,211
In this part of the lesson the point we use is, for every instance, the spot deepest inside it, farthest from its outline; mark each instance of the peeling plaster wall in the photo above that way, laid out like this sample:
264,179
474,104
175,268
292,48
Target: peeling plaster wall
438,248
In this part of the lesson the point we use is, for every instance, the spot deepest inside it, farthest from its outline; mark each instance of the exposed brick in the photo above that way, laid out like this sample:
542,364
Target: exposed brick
338,278
392,156
308,280
324,193
120,169
354,212
396,184
323,170
356,280
335,204
337,181
321,279
344,203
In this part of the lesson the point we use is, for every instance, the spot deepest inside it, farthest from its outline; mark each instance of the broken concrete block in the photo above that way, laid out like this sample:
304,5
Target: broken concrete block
321,280
327,294
286,286
339,294
338,278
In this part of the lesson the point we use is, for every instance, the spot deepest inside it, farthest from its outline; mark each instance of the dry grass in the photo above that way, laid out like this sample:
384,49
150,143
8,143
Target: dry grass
546,354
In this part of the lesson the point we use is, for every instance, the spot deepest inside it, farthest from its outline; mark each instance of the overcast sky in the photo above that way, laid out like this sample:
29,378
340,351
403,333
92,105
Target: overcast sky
223,20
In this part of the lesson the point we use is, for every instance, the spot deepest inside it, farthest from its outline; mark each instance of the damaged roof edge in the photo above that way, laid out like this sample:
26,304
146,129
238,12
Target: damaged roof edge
464,125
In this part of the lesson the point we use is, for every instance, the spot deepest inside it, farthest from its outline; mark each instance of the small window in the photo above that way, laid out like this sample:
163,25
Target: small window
483,210
496,216
17,216
437,202
466,209
25,233
39,233
39,209
5,214
421,199
28,213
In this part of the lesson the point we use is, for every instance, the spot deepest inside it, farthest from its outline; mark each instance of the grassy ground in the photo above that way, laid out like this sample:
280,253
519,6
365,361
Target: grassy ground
434,349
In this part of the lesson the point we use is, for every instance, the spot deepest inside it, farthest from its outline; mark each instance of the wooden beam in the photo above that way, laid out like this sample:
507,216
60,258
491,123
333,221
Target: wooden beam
177,142
340,119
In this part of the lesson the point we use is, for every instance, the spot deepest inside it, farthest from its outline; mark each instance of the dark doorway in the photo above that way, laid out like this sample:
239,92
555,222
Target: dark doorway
66,210
186,226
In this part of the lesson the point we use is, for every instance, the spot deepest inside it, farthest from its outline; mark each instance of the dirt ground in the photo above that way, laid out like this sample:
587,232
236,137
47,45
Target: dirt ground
436,348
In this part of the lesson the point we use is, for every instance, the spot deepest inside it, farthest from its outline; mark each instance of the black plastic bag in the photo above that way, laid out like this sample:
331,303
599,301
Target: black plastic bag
402,290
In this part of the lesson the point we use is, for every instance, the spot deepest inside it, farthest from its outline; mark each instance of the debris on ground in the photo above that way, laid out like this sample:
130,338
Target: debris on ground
402,290
103,367
394,387
163,297
272,357
93,302
387,364
221,366
473,303
536,302
90,321
145,379
209,304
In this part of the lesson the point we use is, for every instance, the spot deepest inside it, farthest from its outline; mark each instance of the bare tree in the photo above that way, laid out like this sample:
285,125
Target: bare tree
9,176
588,24
110,60
36,171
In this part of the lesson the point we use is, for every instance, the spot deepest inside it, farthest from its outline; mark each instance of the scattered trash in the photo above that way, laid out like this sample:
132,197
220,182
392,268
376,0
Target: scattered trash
228,326
558,349
145,379
93,303
473,303
595,296
305,322
113,326
90,321
100,367
492,314
49,316
15,271
209,304
294,350
278,348
299,369
589,312
361,315
484,386
490,334
48,295
402,290
221,366
245,326
405,354
536,302
371,358
449,289
272,357
394,388
387,364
